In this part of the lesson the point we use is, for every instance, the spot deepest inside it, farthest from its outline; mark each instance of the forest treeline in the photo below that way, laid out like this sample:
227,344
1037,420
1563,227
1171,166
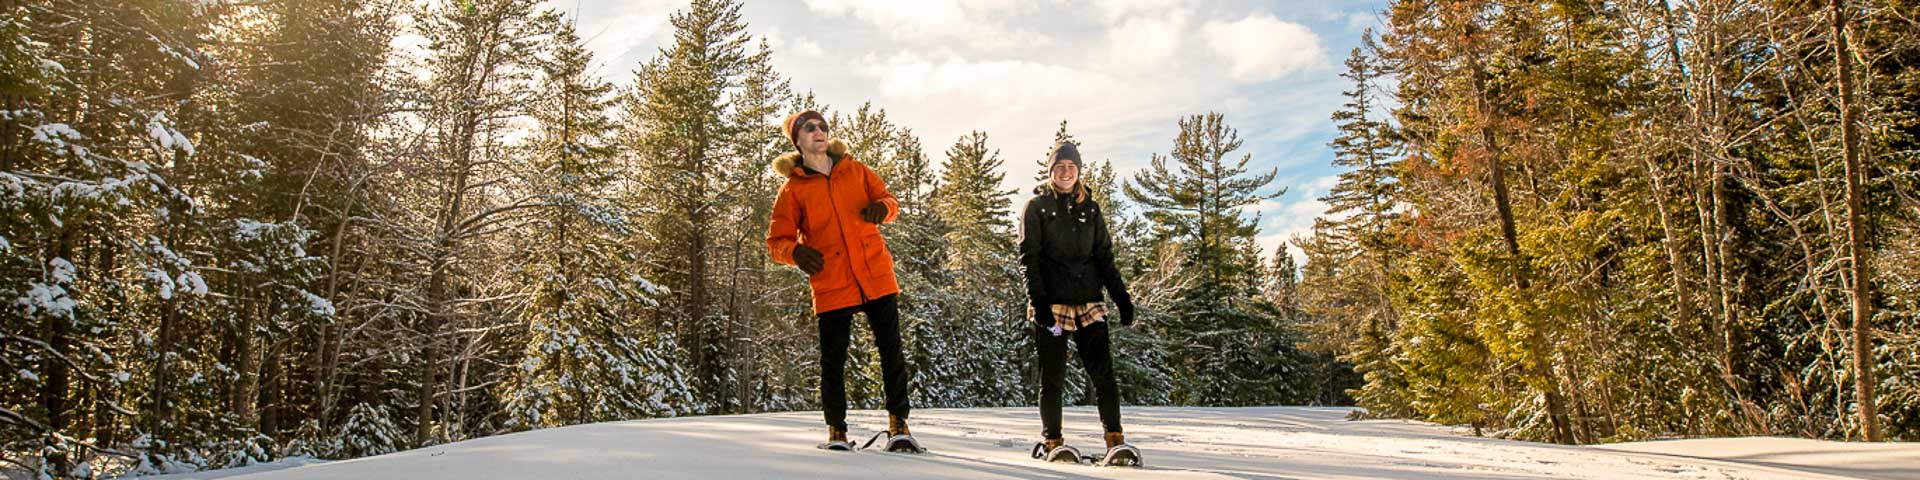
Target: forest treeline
1610,221
239,231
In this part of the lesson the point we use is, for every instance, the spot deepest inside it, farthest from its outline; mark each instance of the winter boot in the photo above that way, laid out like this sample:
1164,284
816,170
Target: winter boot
899,439
837,439
1119,453
897,426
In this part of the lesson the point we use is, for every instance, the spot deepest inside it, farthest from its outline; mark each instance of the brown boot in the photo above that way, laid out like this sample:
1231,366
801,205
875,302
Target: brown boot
897,426
1053,443
1115,439
836,434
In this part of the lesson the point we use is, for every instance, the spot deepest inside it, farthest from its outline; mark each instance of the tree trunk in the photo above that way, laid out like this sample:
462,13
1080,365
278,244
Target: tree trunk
1540,353
1863,374
1676,263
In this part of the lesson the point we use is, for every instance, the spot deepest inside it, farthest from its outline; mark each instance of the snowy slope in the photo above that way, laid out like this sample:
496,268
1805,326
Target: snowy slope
1210,443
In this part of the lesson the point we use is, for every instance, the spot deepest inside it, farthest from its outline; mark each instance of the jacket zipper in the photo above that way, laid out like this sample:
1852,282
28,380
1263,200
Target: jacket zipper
846,245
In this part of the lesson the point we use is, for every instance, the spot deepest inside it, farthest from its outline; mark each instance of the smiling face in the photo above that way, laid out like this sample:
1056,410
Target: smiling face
1064,174
812,137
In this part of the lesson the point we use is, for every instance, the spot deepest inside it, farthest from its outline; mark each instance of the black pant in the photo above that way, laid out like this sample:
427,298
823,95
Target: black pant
1098,360
883,316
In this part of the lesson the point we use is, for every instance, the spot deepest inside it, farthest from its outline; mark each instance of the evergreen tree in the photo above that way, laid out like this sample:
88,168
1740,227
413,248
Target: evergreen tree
679,132
1223,349
586,359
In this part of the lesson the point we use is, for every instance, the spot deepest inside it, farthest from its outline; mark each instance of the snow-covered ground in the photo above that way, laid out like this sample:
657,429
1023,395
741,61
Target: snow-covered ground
1178,443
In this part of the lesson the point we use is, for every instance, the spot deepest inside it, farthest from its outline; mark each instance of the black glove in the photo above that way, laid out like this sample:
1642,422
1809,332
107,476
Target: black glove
1043,315
1126,311
808,259
875,212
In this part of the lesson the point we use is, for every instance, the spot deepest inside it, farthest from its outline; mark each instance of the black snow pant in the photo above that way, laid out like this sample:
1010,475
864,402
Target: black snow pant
1095,356
883,316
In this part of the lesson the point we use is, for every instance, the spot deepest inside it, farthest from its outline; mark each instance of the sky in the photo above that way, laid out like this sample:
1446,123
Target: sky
1122,73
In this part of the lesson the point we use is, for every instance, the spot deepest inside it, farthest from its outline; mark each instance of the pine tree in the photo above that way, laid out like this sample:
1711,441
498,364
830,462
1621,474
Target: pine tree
1223,349
585,359
1345,289
680,128
480,55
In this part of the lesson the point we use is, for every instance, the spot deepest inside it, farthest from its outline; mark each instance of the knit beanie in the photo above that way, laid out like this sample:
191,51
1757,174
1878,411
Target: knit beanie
1064,152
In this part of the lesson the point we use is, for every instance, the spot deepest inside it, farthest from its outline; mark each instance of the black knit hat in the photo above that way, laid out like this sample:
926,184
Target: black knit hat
1066,151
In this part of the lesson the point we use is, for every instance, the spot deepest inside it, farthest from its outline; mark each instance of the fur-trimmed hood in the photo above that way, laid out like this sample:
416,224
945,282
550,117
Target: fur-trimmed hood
785,163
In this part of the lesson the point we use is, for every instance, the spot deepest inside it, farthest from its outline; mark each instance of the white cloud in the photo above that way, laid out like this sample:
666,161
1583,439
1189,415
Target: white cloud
1112,10
1146,41
620,34
939,21
794,43
908,76
1260,48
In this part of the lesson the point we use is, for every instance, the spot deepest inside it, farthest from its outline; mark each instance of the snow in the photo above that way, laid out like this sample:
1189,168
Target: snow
52,299
61,270
317,305
165,137
192,284
1179,443
281,464
162,283
247,229
55,132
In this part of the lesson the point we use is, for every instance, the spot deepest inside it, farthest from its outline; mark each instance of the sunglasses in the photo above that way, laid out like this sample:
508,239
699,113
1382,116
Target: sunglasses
811,127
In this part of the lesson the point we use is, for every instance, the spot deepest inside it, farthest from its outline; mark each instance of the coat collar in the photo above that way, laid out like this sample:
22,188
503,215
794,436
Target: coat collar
788,164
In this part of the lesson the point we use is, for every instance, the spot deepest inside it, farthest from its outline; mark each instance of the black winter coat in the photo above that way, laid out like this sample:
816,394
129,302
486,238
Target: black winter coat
1066,251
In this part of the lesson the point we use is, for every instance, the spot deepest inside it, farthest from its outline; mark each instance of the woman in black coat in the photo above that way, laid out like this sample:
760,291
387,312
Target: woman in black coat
1066,255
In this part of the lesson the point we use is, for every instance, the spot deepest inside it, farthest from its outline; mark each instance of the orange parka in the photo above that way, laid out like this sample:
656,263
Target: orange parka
823,212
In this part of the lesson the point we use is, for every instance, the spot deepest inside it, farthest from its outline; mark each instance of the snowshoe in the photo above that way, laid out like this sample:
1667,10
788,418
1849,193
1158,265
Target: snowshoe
1121,455
1061,453
903,443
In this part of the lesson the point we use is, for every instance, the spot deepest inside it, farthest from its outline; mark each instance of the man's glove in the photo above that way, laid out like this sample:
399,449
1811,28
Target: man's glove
875,212
808,259
1126,311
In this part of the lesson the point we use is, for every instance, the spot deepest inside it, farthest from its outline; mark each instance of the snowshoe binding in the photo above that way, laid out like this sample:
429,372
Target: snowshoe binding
1056,450
1119,453
899,439
895,443
836,440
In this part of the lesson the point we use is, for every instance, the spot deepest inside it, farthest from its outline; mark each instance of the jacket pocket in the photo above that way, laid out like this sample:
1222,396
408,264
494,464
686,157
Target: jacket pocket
879,261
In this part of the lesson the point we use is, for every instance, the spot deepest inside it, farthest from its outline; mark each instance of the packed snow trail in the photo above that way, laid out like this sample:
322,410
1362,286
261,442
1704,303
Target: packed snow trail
1177,443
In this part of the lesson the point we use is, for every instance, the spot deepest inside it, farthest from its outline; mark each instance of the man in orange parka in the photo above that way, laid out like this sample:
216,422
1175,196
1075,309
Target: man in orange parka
826,221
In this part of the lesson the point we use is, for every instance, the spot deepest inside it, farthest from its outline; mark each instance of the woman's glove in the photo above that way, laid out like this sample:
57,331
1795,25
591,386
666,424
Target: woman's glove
1043,316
